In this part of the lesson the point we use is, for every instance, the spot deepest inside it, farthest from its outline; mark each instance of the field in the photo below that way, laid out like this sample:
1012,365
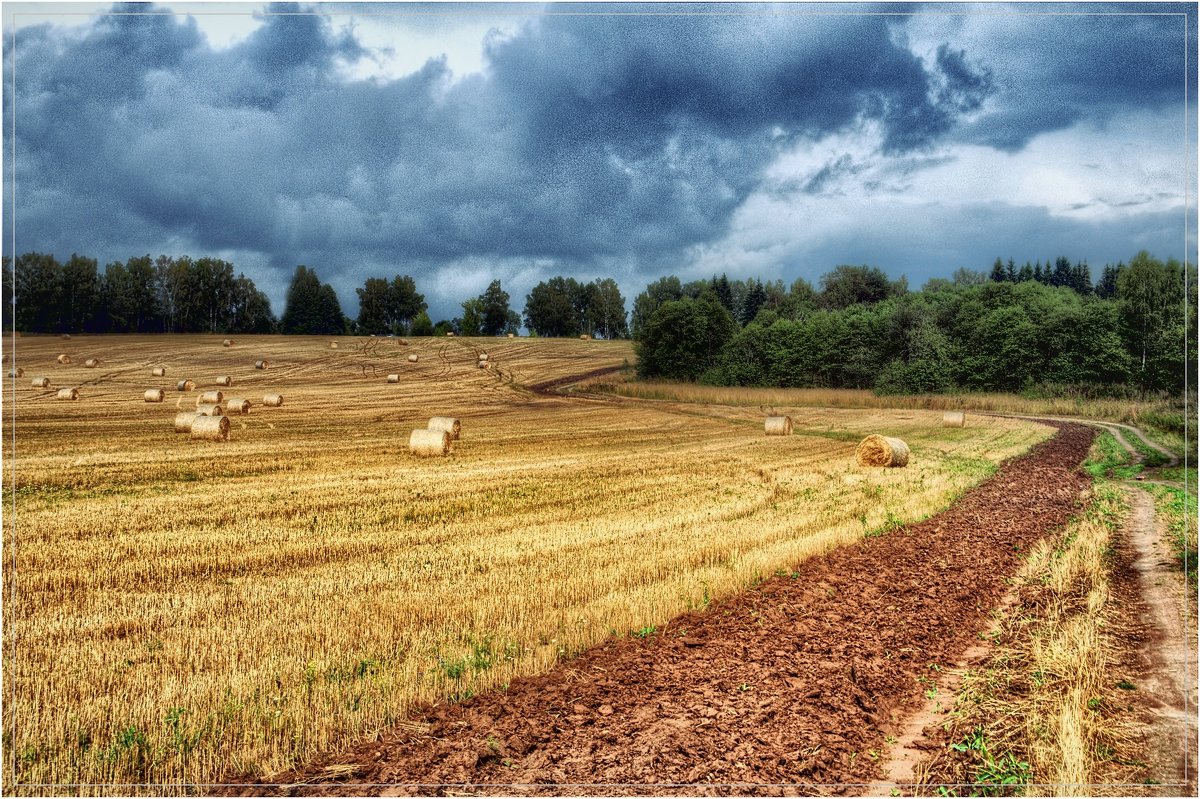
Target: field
176,611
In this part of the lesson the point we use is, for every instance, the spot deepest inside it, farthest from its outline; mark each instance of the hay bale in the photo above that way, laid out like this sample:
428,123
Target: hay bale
185,385
485,365
210,398
68,394
237,405
209,410
64,358
224,380
450,334
584,337
227,342
66,335
41,382
512,335
333,345
954,419
273,400
447,423
183,421
211,428
778,425
17,372
158,371
882,451
153,395
413,358
393,378
429,443
260,364
483,356
91,363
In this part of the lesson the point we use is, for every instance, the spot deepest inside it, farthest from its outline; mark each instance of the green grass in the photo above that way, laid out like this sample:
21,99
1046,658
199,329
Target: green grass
1182,474
1109,459
1151,456
1178,509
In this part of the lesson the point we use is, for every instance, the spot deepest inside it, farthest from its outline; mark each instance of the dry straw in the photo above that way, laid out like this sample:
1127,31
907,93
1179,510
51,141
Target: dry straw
227,342
183,421
64,358
211,428
484,365
153,395
273,400
91,363
158,371
413,358
446,423
224,380
210,398
209,410
450,334
41,382
185,385
483,356
954,419
333,345
17,372
237,405
584,336
882,451
68,393
428,443
778,425
260,364
512,335
393,378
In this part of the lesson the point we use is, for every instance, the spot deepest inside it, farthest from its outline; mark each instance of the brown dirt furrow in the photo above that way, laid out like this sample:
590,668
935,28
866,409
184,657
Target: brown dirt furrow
789,687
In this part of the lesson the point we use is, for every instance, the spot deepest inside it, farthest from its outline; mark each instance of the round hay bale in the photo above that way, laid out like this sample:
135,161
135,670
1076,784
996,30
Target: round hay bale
778,425
260,364
41,382
158,371
393,378
450,334
485,365
64,358
429,443
183,421
66,335
224,380
227,342
68,394
91,363
954,419
413,358
584,337
211,428
447,423
209,410
483,356
185,385
153,395
512,335
273,400
882,451
17,372
210,398
333,345
237,405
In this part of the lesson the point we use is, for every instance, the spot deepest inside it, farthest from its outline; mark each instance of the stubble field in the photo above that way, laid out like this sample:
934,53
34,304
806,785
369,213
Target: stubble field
176,611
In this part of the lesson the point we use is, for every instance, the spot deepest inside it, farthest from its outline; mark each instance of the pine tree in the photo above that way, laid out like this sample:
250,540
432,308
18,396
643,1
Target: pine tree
1010,271
998,271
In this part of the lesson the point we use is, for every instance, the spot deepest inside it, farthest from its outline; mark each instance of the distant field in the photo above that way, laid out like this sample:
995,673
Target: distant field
176,610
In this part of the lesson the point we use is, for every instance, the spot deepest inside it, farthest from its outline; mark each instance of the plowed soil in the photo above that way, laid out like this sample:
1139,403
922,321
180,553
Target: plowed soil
788,688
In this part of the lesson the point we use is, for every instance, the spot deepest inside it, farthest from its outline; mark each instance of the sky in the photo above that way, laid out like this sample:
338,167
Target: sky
462,143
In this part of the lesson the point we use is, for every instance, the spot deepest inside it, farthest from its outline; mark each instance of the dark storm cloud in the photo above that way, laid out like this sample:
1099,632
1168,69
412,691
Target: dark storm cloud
1054,69
589,139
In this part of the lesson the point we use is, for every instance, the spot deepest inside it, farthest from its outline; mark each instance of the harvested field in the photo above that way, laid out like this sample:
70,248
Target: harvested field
792,684
274,596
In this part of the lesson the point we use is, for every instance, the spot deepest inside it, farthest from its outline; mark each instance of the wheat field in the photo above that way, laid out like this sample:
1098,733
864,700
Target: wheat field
178,610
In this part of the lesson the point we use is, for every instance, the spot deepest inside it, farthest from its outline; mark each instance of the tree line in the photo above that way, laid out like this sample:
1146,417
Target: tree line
972,332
